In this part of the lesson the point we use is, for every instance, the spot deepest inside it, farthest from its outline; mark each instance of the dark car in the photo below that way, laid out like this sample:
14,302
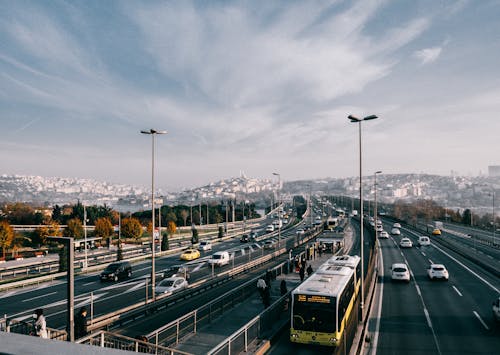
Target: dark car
245,238
116,271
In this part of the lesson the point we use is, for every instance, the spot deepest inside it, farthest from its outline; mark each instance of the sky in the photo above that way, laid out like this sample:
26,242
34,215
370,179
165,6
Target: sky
253,86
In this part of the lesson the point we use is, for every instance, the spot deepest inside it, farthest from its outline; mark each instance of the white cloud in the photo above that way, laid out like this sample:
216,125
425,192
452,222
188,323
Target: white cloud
428,55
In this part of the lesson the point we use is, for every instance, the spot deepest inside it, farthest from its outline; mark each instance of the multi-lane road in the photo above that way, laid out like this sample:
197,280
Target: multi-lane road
428,316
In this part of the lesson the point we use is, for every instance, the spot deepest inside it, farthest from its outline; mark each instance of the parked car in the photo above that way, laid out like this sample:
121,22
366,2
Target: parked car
400,272
423,240
437,271
269,244
383,235
219,258
170,285
396,225
405,243
205,245
496,309
436,231
116,271
395,231
190,254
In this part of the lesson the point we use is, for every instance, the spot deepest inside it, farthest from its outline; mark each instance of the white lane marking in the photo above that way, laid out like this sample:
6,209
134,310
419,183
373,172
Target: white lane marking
418,290
482,322
402,254
431,261
457,291
466,268
423,253
379,307
89,283
34,298
429,323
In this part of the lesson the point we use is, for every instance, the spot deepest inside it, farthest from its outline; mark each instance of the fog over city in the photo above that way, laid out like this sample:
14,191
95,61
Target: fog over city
253,86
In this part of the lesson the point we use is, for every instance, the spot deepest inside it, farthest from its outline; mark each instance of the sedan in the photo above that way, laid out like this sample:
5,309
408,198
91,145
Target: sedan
436,231
395,231
269,244
383,235
300,231
171,285
405,243
400,272
190,254
437,271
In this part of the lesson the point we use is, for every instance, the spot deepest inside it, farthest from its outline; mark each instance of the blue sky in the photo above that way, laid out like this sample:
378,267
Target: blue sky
253,86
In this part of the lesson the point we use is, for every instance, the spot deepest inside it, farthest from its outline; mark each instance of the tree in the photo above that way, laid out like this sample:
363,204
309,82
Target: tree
56,213
6,236
50,228
184,215
131,228
103,229
221,232
194,237
74,229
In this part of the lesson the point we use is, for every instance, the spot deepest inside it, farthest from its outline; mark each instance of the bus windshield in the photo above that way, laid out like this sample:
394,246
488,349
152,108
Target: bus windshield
314,313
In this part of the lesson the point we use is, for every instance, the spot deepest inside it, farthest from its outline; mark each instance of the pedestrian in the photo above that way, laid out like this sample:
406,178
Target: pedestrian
261,286
40,324
283,288
81,323
302,273
309,270
320,250
268,278
267,297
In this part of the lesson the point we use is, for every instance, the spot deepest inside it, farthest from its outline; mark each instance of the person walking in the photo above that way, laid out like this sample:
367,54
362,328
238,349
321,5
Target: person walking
40,324
269,276
81,323
283,288
309,270
261,287
302,273
267,297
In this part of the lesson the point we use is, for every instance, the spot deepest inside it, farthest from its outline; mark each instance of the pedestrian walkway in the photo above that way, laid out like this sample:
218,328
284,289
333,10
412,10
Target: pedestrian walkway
208,337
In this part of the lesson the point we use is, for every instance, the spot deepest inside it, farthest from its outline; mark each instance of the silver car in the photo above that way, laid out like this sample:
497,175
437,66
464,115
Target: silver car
437,271
400,272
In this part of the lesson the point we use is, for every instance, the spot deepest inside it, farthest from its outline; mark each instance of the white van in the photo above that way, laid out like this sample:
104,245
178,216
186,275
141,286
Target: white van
219,258
423,240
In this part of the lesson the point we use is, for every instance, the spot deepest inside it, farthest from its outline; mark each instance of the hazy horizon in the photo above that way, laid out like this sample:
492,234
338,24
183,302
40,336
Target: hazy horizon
253,86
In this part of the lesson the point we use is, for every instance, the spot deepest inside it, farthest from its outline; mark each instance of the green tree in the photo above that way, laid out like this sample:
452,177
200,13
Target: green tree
74,228
131,228
104,229
184,215
6,236
57,213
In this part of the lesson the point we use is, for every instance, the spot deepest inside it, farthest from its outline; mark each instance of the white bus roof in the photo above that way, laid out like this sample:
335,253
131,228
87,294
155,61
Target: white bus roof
329,280
344,260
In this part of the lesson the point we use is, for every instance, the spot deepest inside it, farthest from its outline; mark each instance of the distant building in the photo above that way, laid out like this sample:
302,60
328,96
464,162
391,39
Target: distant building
494,170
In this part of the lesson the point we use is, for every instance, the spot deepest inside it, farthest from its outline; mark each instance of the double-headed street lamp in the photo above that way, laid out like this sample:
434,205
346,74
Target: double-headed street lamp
153,133
375,185
279,206
354,119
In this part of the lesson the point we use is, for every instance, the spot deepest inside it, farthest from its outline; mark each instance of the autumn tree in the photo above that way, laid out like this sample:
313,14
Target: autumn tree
74,229
49,228
103,229
131,228
6,236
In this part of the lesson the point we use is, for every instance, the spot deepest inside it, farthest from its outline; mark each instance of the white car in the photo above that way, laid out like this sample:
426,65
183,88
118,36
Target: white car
379,228
269,244
205,245
300,231
405,243
270,228
395,231
496,309
396,225
170,285
383,235
437,271
423,240
400,272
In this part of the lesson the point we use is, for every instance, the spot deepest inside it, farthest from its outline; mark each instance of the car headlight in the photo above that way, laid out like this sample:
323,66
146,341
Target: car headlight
295,336
333,340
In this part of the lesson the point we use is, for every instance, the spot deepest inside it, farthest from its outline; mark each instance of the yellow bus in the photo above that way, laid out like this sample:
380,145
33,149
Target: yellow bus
322,304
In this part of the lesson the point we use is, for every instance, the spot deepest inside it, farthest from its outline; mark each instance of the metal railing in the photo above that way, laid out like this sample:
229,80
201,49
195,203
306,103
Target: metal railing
116,341
28,328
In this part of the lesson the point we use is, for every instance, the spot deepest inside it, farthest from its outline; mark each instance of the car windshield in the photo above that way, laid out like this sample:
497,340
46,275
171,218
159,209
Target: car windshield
399,269
438,268
216,256
166,283
112,267
188,251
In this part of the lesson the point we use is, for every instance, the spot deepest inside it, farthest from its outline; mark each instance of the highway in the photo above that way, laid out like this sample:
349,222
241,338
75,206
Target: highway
434,317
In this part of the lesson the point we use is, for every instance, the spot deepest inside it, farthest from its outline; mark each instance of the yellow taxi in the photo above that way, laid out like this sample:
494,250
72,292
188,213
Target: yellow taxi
190,254
436,232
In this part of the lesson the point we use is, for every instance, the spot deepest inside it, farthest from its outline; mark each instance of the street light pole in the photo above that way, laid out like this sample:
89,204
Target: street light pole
279,206
153,133
354,119
376,218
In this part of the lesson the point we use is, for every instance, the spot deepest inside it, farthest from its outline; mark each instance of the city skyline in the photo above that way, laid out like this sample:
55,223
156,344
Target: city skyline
261,87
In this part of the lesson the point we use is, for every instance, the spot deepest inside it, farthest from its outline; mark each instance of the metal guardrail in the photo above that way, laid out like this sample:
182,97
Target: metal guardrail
115,341
27,328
